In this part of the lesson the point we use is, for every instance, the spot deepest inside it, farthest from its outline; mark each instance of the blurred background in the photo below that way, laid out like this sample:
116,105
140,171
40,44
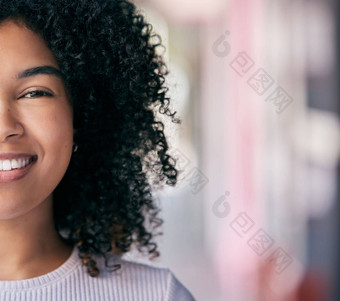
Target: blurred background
255,215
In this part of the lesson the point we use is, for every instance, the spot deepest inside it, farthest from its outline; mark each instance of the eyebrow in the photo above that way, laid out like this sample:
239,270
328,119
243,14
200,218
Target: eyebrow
50,70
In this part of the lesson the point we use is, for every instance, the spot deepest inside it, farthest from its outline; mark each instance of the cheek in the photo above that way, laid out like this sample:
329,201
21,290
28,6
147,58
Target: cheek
55,142
49,132
59,130
52,128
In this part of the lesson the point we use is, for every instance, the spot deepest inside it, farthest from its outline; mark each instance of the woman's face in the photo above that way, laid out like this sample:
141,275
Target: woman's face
31,122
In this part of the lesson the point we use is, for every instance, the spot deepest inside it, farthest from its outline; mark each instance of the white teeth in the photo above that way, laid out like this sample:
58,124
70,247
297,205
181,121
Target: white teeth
13,164
6,165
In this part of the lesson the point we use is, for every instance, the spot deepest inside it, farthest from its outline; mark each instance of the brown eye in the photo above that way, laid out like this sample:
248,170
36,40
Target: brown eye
36,93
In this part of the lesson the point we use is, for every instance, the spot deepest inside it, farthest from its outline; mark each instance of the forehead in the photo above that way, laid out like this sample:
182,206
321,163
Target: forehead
21,48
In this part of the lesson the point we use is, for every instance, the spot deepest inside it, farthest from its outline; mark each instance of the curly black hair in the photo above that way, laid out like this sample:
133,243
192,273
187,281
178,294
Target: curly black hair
115,77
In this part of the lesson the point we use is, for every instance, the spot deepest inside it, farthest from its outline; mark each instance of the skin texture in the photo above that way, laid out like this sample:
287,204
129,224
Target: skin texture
37,124
114,72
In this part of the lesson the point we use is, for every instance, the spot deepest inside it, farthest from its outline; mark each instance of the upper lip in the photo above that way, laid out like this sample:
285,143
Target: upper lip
10,156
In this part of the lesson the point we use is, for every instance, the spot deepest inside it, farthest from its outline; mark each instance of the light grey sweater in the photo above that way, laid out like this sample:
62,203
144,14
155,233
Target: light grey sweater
70,282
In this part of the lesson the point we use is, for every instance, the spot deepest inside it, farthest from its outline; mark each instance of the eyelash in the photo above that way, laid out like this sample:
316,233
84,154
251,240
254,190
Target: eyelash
40,91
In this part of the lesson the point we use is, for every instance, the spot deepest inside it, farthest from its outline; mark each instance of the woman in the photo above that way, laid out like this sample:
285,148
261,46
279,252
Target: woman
79,145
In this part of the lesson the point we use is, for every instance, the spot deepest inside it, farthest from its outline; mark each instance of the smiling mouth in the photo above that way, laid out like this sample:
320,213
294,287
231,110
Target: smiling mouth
14,174
9,165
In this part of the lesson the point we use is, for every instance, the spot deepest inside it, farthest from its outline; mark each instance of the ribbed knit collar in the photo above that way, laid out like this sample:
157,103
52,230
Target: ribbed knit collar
33,283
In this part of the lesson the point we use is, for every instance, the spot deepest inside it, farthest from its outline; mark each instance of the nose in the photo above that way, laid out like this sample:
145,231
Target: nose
9,122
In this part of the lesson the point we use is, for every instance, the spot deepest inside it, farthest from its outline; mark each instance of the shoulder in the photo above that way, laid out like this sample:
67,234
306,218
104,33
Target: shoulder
142,281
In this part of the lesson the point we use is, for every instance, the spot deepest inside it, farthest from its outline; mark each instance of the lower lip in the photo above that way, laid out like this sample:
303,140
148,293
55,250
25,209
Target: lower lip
7,176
